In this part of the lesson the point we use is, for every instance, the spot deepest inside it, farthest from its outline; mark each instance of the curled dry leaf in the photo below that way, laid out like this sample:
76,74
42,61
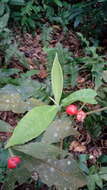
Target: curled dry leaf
77,147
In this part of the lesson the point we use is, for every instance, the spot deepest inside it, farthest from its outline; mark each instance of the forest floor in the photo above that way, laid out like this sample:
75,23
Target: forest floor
32,48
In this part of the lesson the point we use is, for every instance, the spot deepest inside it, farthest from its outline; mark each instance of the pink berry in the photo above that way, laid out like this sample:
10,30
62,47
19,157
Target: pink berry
71,109
81,115
13,162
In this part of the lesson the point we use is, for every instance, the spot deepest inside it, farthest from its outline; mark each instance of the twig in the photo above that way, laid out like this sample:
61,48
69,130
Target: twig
98,110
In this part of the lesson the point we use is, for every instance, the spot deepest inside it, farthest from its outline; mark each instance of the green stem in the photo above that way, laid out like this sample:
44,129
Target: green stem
54,101
11,152
82,106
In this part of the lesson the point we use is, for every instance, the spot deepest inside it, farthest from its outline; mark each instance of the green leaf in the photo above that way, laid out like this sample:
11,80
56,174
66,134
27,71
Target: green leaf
17,2
90,182
105,76
103,173
58,130
64,173
57,79
2,8
104,176
84,167
32,124
29,73
13,51
39,150
19,175
103,159
103,170
5,127
4,1
4,20
13,102
4,154
15,98
84,95
58,2
98,180
8,72
77,21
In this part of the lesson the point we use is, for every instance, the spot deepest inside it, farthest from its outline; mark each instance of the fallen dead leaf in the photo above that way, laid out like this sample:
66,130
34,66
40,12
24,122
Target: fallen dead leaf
43,73
77,147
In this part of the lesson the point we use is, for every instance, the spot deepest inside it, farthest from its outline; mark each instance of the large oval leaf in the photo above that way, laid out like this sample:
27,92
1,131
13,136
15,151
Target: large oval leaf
64,174
59,129
40,150
32,124
84,95
57,79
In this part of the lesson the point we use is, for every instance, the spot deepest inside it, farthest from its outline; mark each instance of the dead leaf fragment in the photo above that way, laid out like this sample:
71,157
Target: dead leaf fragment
43,73
77,147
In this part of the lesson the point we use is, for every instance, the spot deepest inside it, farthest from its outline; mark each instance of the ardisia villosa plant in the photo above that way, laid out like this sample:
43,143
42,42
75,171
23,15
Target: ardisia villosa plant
38,138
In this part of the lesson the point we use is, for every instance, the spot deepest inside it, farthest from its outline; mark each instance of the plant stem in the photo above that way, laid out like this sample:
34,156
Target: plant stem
11,152
82,106
61,147
54,101
98,110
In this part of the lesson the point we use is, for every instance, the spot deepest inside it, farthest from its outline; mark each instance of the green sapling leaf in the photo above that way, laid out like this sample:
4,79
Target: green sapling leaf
57,80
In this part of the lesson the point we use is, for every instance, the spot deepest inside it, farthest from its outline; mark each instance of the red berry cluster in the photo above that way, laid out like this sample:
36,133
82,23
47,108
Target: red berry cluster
13,162
73,110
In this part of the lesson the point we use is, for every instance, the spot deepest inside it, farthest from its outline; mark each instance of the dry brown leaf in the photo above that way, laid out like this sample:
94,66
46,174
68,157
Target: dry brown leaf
77,147
43,73
81,80
80,148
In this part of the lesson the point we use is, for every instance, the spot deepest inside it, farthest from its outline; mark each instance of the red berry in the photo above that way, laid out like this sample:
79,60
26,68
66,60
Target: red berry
13,162
71,109
81,115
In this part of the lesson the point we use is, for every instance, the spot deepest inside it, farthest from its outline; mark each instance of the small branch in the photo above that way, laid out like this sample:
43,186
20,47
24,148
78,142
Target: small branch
98,110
